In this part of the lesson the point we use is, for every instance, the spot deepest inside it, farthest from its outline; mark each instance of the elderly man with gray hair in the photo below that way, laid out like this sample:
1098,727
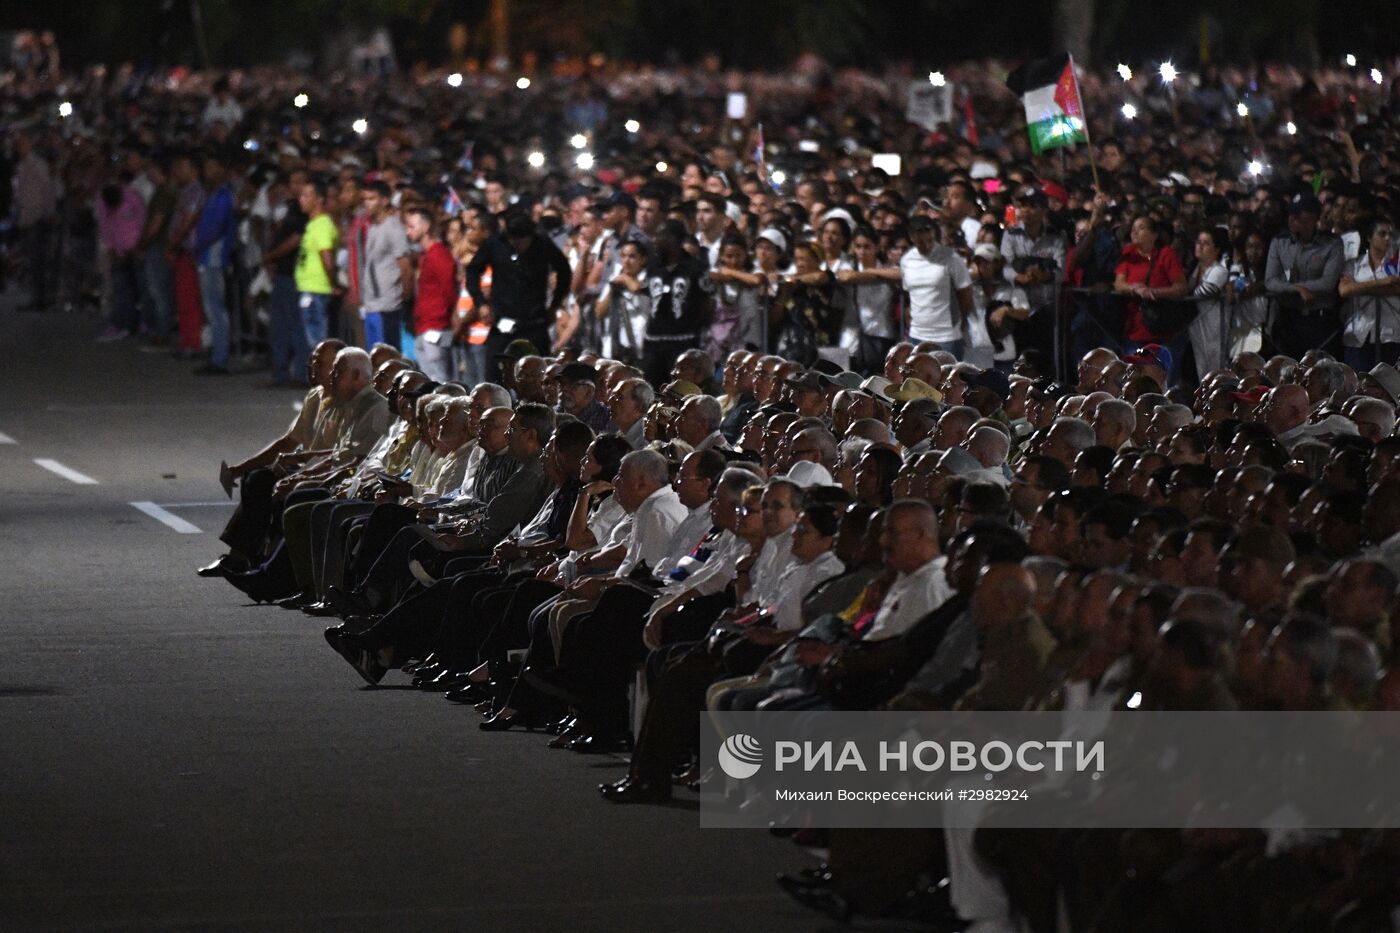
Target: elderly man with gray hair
1114,423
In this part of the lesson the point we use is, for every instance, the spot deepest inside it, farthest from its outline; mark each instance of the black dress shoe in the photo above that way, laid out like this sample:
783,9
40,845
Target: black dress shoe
347,602
816,895
502,722
602,745
219,568
630,790
318,609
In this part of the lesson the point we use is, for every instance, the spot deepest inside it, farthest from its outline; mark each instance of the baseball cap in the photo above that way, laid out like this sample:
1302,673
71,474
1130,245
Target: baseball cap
877,386
578,372
775,236
1152,354
516,349
810,381
986,251
1305,204
1054,191
620,199
1031,195
1048,390
993,380
1251,396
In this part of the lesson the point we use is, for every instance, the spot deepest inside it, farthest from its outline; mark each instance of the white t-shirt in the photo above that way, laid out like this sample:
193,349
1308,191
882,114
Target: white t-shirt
1361,310
933,282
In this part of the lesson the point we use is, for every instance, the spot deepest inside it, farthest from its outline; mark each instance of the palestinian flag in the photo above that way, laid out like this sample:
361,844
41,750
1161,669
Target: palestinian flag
1050,93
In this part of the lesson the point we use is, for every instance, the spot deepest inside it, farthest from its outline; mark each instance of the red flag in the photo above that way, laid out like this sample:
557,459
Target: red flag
970,123
1067,93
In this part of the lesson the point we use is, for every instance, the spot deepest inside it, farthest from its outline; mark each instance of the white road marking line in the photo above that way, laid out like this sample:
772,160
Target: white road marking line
168,519
6,439
68,473
197,505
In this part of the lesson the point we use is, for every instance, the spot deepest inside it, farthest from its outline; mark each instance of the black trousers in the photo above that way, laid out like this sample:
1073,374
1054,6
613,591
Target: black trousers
384,523
678,677
489,606
247,530
1294,333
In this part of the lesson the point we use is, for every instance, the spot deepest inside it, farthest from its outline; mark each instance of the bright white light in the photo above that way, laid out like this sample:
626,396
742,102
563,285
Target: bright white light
662,167
250,144
1256,168
584,160
360,126
1129,112
300,101
1242,109
523,83
1376,76
936,78
578,140
454,79
1135,700
1125,72
1291,128
1351,60
1168,72
631,126
65,109
536,159
778,177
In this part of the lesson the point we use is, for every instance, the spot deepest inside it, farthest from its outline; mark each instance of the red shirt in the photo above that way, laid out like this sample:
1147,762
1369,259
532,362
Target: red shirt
1134,267
436,294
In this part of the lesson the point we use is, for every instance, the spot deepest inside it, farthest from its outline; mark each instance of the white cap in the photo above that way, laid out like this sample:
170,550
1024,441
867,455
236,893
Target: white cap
775,236
806,474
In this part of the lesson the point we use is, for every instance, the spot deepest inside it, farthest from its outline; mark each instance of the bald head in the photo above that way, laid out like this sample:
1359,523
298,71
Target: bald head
1288,407
1004,592
989,446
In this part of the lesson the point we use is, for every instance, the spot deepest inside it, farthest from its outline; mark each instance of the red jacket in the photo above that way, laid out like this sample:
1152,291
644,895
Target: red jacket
436,294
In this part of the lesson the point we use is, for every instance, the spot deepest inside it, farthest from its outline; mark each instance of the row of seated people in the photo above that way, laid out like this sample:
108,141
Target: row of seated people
579,551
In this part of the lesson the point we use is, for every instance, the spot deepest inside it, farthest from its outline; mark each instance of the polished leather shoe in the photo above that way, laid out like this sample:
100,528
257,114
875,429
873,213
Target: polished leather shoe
630,790
816,895
503,721
368,666
563,739
319,609
601,744
219,568
347,602
467,694
298,601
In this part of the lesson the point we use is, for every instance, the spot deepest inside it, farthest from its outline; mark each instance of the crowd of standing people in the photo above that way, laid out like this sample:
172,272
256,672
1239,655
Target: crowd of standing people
619,409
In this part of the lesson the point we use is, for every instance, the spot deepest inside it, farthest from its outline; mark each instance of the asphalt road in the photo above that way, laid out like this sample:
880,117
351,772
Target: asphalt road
172,758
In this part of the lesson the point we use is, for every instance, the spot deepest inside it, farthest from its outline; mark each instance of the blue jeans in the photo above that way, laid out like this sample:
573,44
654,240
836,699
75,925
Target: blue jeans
1363,359
285,333
314,309
159,310
383,327
211,291
470,363
955,347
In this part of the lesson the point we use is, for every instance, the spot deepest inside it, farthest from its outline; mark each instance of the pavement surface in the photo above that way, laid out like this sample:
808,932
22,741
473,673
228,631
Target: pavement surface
173,758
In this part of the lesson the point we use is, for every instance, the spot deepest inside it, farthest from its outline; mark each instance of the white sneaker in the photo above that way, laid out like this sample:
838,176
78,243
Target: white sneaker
420,573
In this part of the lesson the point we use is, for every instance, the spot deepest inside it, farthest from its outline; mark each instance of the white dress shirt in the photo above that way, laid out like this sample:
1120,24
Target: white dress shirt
653,524
910,598
766,575
689,532
794,585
